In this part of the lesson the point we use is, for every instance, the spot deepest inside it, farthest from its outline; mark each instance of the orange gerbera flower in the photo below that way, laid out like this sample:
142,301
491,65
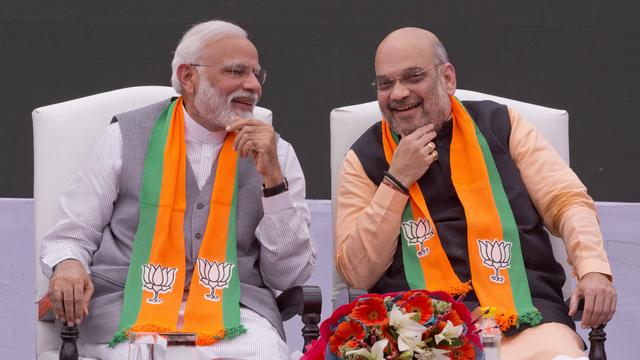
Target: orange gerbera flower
371,311
454,318
418,302
464,352
346,330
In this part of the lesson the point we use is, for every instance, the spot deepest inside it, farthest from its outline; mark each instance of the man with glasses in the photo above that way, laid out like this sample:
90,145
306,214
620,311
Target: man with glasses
214,200
450,195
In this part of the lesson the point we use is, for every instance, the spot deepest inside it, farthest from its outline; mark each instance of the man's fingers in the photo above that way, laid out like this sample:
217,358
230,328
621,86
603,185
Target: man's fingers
573,304
240,143
239,124
599,313
607,308
68,304
88,292
613,305
78,301
587,314
56,299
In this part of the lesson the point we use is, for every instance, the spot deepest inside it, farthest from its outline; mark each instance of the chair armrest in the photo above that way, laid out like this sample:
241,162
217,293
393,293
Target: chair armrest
45,310
597,336
69,334
305,301
355,293
299,300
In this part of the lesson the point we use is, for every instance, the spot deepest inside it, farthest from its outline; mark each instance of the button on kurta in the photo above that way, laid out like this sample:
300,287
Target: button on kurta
200,205
198,236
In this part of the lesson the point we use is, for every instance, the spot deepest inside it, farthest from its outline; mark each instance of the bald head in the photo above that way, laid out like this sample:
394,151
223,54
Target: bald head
412,41
414,80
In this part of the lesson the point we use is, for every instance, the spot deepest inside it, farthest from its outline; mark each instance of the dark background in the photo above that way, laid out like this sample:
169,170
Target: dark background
577,55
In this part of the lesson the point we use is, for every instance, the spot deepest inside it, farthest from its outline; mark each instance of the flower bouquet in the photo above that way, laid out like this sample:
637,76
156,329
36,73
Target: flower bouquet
416,324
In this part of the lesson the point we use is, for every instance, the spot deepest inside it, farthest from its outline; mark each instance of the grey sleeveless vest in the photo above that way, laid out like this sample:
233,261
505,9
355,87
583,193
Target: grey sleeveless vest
111,260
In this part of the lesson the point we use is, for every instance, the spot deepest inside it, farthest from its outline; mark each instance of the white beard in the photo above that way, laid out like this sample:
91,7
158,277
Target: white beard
215,109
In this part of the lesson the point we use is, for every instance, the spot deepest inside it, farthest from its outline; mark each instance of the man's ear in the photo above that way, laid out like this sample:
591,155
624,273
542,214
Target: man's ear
449,77
187,77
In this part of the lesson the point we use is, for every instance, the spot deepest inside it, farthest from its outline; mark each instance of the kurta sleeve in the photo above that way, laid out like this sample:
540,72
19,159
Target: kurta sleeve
559,196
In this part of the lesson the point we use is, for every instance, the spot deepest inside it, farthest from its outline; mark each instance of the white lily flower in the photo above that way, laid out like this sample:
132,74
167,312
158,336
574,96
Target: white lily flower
376,353
449,332
409,331
433,354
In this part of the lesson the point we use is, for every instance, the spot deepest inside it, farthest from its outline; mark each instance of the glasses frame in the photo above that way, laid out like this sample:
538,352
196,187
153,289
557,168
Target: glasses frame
260,73
403,78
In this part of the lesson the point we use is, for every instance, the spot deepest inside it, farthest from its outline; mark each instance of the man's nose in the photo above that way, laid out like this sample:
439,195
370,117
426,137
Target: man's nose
251,83
399,91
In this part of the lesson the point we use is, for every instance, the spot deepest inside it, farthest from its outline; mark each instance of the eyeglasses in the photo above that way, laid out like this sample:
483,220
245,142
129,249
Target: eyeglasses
241,71
411,77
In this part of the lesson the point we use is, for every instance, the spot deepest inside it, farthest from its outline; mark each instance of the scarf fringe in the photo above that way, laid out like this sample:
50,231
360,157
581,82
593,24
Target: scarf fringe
202,339
531,318
123,335
506,321
119,337
459,289
228,333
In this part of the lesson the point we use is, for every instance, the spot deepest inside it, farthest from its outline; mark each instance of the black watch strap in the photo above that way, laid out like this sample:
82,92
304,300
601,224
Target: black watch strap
275,190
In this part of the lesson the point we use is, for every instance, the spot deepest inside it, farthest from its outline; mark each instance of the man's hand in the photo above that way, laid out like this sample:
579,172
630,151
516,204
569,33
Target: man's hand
599,299
413,156
70,290
258,139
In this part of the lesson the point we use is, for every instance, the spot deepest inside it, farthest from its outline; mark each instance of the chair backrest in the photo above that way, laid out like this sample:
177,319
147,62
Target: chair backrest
62,135
349,122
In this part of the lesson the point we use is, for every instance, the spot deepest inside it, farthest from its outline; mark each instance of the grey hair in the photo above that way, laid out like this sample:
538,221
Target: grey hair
195,39
440,53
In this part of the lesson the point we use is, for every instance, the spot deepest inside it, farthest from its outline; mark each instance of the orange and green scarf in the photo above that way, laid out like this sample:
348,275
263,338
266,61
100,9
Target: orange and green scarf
495,257
156,278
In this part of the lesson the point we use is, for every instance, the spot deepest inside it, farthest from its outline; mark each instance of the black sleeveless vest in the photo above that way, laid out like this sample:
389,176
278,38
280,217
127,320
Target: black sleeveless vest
544,274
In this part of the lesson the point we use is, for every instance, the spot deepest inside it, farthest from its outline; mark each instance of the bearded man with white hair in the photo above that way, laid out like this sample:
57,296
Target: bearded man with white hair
214,200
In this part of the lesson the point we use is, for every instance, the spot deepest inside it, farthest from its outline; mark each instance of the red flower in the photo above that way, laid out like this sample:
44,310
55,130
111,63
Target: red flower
464,352
345,331
454,318
417,302
371,311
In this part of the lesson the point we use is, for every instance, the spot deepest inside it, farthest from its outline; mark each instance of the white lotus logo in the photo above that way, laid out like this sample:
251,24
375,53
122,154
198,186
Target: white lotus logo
157,280
214,275
417,233
495,255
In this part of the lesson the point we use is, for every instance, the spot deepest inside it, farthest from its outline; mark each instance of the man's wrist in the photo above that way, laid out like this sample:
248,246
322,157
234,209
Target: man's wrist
275,190
394,183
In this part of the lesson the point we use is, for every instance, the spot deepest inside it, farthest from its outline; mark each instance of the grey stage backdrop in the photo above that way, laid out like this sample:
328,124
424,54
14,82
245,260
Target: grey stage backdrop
580,55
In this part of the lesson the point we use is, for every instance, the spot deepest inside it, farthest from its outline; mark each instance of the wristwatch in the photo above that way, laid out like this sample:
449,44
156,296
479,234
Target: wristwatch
275,190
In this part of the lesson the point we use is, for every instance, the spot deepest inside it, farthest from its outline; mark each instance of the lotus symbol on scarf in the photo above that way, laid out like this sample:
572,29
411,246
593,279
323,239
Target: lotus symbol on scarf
214,275
157,280
417,233
495,255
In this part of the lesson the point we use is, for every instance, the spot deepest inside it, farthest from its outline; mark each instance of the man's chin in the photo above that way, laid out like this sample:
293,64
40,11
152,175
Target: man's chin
243,114
405,127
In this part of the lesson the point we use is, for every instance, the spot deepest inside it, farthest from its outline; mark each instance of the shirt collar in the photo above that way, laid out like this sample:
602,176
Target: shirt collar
197,132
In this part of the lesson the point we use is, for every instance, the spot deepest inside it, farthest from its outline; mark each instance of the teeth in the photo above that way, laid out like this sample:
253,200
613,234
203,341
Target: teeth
407,107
